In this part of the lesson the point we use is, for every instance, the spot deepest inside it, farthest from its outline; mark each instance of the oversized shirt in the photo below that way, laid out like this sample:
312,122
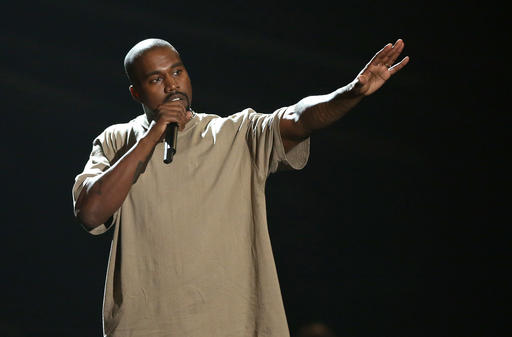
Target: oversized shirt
191,254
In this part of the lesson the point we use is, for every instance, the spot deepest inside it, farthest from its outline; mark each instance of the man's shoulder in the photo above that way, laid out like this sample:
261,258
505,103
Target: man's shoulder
234,117
223,122
210,116
246,118
250,113
136,124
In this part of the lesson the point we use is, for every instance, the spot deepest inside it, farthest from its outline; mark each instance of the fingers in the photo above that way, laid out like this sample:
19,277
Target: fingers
388,55
399,65
381,55
173,112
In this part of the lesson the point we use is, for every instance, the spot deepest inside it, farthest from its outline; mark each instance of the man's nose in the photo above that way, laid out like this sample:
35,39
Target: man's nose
171,84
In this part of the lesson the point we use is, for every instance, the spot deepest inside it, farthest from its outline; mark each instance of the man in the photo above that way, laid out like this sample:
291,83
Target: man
190,253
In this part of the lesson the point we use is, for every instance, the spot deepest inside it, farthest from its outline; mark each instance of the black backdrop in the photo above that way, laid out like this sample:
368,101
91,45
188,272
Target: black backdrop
386,232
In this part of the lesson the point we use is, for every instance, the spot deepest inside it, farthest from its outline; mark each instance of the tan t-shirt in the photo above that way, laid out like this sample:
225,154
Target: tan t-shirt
191,254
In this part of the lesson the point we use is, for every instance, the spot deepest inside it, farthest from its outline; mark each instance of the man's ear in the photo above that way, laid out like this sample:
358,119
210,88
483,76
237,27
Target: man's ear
135,94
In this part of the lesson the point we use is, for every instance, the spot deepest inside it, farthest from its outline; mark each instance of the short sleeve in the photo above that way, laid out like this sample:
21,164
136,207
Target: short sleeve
266,144
102,156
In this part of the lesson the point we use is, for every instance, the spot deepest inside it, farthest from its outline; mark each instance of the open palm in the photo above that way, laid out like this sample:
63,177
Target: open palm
380,68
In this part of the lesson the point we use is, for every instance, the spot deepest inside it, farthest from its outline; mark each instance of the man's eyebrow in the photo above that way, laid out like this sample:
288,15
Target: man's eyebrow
156,72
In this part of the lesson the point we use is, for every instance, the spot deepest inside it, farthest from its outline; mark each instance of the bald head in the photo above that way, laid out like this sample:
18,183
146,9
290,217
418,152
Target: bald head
140,49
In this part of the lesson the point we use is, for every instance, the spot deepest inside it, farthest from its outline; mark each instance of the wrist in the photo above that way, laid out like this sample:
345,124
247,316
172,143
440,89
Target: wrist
352,90
151,137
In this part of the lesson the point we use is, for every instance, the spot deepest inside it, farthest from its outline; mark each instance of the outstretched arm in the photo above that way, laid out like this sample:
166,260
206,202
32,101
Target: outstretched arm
316,112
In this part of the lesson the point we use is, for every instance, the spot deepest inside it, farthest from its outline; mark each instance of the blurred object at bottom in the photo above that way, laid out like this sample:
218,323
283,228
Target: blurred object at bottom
315,329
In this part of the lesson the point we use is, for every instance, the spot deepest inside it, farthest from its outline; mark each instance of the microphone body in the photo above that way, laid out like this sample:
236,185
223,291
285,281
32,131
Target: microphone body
171,138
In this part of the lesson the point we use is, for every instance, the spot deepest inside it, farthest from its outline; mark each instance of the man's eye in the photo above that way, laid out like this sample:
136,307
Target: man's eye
155,80
177,72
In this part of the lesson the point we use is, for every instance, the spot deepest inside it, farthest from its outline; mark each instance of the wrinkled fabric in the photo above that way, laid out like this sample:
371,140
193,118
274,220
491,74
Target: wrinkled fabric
191,254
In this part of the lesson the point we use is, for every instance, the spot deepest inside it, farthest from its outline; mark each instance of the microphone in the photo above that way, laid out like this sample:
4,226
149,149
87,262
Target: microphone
171,138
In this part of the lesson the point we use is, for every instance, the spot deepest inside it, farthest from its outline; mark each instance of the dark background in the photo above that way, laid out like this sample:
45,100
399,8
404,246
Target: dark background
386,232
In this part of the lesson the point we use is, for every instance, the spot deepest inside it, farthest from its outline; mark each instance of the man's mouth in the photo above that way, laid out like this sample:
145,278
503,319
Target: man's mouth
177,96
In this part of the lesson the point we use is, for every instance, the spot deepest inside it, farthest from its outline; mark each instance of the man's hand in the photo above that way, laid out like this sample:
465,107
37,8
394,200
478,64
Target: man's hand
316,112
380,68
173,110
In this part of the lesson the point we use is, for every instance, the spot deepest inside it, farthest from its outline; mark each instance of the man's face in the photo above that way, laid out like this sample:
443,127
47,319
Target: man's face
160,76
